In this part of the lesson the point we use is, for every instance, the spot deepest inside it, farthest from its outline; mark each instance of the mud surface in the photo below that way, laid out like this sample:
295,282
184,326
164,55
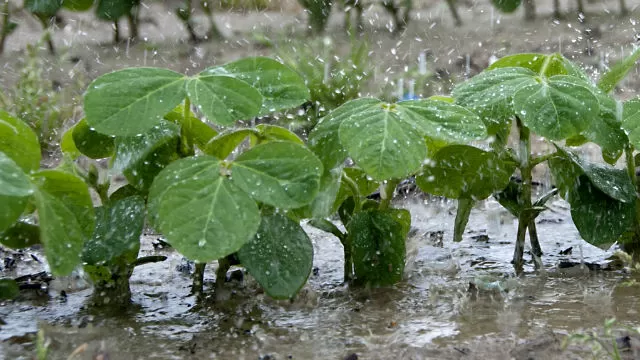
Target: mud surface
433,314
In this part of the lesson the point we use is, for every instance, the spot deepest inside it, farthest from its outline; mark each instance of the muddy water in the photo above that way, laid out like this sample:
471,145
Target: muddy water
433,314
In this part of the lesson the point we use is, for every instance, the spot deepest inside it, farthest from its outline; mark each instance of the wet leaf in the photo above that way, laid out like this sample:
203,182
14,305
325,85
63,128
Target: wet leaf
631,121
323,204
223,99
462,171
223,144
511,198
20,235
600,219
506,6
557,108
66,218
19,142
377,240
366,185
68,146
124,192
279,257
47,8
131,101
281,174
280,86
77,5
490,93
118,229
192,127
619,71
462,218
15,191
277,133
605,130
8,289
114,9
140,158
92,143
556,64
202,213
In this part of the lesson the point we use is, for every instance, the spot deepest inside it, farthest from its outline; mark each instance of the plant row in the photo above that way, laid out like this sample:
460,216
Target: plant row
238,195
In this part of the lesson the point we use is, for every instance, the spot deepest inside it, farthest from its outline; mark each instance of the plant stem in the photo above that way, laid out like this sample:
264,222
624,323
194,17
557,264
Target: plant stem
197,288
632,248
355,191
221,274
537,160
186,143
536,250
524,155
387,193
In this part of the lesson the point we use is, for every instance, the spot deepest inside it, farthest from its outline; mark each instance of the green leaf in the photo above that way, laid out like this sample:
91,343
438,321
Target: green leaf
611,181
117,232
556,108
277,133
192,127
77,5
202,213
619,71
65,216
68,146
92,143
15,191
323,204
605,130
599,218
506,6
553,64
631,121
140,158
20,235
131,101
112,10
19,142
279,257
281,174
377,240
511,198
281,87
366,185
223,144
8,289
223,99
462,218
124,192
462,171
47,8
490,93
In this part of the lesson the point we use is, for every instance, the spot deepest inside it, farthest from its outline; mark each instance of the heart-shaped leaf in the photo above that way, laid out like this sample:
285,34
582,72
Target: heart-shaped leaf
279,257
281,174
118,229
462,171
556,108
131,101
202,213
92,143
19,142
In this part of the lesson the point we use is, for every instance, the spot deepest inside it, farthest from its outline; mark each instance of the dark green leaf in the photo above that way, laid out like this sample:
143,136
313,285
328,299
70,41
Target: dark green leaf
15,190
92,143
202,213
279,257
506,6
323,204
118,229
462,171
114,9
611,78
46,8
19,142
77,5
281,174
8,289
605,130
124,192
192,127
20,235
131,101
223,144
511,198
377,240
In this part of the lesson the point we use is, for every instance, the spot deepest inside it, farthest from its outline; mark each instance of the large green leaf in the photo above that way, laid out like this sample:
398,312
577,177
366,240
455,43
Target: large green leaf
490,93
92,143
605,130
600,219
65,216
545,65
77,5
140,158
556,108
611,181
112,10
15,190
223,99
279,257
131,101
377,240
47,8
506,6
19,142
20,235
611,78
631,121
118,229
280,87
462,171
202,213
281,174
223,144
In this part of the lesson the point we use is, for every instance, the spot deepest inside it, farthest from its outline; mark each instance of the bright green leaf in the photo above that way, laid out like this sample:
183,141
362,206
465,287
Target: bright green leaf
279,257
19,142
15,190
281,174
68,146
131,101
277,133
202,213
192,127
506,6
631,121
223,144
92,143
611,78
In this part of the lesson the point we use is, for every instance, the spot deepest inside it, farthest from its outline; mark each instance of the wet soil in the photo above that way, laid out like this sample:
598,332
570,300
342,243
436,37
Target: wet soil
459,301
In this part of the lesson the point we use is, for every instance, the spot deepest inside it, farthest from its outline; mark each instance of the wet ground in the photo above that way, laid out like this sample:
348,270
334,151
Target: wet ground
435,313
